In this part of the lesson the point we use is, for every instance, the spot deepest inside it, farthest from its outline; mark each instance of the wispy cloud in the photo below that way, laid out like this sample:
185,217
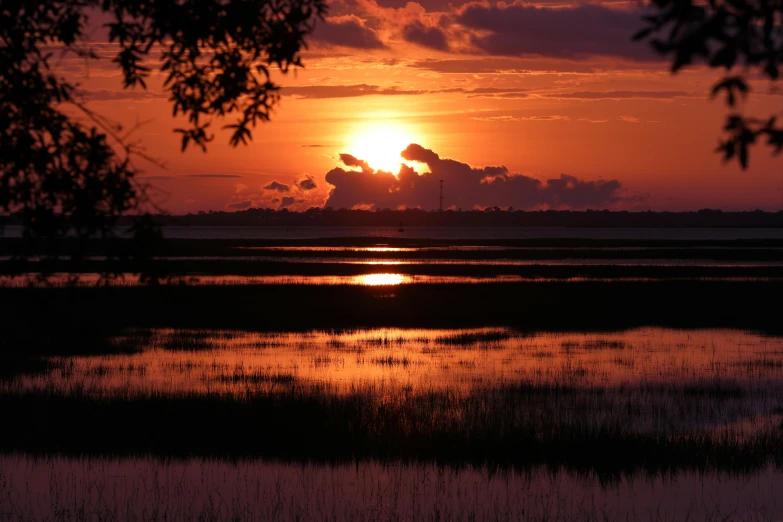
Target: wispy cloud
554,117
621,95
363,89
155,178
214,176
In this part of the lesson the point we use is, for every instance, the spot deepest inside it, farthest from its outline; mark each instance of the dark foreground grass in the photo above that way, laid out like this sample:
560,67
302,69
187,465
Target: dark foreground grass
75,320
506,427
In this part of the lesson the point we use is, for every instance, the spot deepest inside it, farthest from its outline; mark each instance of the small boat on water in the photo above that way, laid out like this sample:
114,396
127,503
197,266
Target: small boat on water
400,229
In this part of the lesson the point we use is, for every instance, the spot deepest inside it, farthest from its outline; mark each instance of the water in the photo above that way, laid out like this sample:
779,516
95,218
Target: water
453,233
577,262
379,280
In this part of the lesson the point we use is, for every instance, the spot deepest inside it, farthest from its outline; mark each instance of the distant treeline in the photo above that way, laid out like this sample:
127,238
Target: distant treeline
490,217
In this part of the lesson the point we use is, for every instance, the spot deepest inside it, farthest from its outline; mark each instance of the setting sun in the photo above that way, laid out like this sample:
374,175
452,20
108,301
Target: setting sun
380,145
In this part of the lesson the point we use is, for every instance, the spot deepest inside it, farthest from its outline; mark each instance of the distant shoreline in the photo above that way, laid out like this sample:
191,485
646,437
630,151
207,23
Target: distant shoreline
401,219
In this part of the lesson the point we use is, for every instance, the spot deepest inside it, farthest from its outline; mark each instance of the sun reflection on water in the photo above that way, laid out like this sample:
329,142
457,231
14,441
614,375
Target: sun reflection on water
380,279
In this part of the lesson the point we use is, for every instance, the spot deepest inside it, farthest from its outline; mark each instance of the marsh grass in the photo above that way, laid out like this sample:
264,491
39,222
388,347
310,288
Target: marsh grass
148,489
391,361
239,376
80,320
679,399
484,336
603,431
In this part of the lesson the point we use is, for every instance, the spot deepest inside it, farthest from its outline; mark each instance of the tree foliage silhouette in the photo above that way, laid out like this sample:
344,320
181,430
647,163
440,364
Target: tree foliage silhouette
725,34
64,168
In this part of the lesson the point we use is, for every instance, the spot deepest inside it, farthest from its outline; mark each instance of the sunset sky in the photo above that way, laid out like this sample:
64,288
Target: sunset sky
546,105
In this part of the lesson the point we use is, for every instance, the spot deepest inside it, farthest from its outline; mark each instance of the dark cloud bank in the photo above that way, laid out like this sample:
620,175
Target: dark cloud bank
347,32
464,186
430,37
277,187
570,33
278,195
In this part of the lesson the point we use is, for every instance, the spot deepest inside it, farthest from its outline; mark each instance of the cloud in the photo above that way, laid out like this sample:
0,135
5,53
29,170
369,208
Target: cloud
495,118
214,176
570,33
155,178
464,186
105,95
240,205
619,95
350,161
501,95
496,65
348,31
629,119
469,66
554,117
241,187
313,146
346,91
301,194
287,201
431,37
495,92
306,183
277,186
314,92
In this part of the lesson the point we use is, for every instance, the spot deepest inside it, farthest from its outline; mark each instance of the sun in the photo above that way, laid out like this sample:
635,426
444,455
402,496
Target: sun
380,145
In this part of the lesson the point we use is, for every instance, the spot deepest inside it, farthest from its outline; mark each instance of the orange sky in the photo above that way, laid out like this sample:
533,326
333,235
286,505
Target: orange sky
543,92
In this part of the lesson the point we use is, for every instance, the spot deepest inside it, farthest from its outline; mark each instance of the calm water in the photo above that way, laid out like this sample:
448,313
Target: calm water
303,232
470,233
389,280
380,260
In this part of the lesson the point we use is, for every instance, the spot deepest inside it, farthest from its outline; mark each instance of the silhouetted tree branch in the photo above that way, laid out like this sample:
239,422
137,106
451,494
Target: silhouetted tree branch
59,175
725,34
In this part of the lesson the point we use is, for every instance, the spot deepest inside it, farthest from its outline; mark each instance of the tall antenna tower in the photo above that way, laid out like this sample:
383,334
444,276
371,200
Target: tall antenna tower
440,209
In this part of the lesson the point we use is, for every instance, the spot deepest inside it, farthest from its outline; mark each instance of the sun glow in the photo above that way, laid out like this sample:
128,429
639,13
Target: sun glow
380,145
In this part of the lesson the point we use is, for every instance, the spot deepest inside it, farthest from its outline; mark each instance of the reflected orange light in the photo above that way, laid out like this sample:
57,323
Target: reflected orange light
380,279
